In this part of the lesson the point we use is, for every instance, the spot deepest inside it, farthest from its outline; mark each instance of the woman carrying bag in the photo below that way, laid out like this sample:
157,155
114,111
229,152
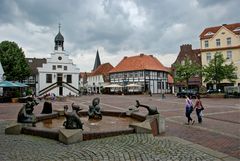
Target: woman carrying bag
199,108
188,110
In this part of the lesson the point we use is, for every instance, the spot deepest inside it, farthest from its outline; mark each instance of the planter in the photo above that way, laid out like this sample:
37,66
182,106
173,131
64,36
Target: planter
14,100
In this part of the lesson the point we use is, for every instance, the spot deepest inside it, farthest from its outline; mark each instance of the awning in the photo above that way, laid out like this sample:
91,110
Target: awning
21,84
12,84
133,85
8,84
113,86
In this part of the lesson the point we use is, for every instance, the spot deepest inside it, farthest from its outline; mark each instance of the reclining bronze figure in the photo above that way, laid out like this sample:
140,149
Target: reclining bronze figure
151,110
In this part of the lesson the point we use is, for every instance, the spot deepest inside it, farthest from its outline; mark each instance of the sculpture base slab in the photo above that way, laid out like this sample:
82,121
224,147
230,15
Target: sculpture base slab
14,129
154,124
70,136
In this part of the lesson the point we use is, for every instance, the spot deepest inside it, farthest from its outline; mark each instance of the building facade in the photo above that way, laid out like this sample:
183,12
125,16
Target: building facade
186,52
32,80
226,40
99,78
143,70
58,75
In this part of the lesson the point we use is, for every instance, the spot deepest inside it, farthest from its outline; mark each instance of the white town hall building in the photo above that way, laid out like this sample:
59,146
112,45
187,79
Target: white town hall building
58,75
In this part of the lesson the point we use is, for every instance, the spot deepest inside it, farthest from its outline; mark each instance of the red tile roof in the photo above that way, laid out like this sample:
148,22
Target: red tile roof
230,27
103,69
139,62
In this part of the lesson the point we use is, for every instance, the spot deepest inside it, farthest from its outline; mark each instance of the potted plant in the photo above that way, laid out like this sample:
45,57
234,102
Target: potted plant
16,96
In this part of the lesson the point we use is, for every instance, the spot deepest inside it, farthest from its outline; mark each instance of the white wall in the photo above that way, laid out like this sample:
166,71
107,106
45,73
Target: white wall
48,69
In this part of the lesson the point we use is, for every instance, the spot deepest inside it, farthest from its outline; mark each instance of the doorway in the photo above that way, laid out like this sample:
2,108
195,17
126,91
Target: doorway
59,80
59,77
60,91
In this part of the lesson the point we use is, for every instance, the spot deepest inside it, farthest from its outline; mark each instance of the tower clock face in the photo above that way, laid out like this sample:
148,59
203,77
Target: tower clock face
59,58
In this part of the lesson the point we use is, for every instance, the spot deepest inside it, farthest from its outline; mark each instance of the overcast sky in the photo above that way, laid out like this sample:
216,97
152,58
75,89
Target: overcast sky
117,28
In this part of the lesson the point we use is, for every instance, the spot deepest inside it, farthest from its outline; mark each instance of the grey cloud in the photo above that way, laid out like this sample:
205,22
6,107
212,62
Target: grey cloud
90,23
209,3
8,11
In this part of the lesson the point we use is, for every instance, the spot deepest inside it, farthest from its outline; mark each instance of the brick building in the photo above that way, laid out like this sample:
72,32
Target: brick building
194,56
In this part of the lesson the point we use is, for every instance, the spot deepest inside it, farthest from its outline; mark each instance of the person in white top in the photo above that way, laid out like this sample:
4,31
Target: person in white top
188,110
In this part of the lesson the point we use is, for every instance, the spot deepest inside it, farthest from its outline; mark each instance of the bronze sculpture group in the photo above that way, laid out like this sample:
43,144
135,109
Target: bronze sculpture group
73,121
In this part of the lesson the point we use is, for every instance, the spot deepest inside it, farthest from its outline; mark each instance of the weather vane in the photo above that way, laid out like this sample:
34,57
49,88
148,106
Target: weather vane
59,26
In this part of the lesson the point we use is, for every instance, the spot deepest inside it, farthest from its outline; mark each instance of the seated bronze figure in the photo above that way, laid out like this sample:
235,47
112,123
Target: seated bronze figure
72,119
94,109
151,110
25,115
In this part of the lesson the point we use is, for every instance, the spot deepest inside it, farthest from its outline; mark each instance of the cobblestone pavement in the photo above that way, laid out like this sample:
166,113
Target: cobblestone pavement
219,132
134,147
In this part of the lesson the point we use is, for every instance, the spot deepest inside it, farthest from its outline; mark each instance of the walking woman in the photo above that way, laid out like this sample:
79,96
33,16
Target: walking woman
199,107
189,109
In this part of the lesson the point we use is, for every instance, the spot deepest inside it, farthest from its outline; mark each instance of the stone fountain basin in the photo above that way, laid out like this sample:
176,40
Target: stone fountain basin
113,123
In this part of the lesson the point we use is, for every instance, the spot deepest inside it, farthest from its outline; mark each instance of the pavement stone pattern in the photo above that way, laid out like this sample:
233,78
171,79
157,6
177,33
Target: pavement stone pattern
133,147
219,132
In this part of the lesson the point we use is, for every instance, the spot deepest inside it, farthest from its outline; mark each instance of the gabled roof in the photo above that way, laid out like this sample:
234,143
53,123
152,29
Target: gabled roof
34,63
186,51
102,69
206,34
139,62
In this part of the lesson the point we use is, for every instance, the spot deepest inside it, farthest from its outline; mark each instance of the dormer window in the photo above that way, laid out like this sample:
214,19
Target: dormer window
209,33
237,29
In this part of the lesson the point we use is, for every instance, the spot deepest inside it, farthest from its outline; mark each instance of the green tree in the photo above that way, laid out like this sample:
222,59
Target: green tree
13,61
218,70
184,71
